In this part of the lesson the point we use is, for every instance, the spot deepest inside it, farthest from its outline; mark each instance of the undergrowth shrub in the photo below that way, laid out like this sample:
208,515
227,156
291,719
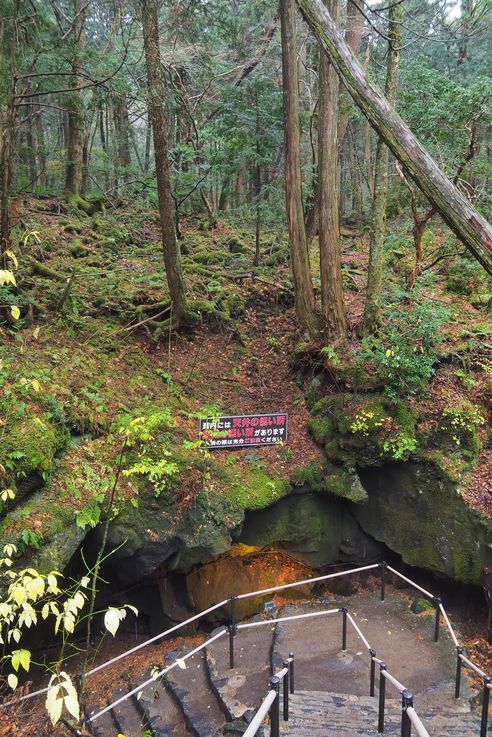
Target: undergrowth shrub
406,348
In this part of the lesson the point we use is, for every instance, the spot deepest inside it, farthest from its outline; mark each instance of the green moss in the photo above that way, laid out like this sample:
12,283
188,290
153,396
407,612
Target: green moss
31,444
235,245
82,205
255,489
77,249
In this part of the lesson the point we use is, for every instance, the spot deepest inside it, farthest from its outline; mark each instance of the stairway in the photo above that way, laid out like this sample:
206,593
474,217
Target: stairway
208,699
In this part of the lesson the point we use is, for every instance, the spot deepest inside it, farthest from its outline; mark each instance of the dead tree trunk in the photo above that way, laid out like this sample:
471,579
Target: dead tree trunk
470,227
156,93
303,287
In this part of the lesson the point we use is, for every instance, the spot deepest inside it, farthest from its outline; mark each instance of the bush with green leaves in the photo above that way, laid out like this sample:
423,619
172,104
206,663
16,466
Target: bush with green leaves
405,350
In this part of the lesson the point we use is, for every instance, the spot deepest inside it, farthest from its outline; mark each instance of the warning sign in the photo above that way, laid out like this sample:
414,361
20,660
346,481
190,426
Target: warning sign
243,431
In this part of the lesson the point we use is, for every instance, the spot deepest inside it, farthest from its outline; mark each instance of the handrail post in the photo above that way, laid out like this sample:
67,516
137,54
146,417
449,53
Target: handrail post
231,646
406,724
485,706
344,628
437,603
372,653
382,697
285,685
382,568
459,665
275,708
232,629
291,673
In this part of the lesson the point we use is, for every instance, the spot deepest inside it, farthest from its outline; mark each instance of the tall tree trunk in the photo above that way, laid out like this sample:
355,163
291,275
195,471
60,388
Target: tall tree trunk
372,306
156,93
122,130
31,145
148,135
303,287
469,226
75,147
257,186
104,143
7,136
40,148
353,37
332,302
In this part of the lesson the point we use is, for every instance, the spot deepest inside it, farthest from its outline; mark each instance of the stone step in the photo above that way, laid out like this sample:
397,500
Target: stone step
127,716
241,689
192,689
321,713
161,712
104,726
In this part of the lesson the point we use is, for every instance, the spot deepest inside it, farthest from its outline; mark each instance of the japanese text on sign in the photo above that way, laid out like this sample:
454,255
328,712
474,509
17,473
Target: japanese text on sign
243,431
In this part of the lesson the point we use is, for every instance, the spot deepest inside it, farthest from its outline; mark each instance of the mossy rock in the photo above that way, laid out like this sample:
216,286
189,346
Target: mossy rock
481,300
160,532
322,476
421,605
363,430
31,444
235,245
255,488
79,203
73,226
77,249
318,529
419,514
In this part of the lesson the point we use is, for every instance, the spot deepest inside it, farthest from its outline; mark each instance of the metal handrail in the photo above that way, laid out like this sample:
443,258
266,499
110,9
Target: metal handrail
449,625
399,686
471,664
157,675
233,627
307,581
270,704
412,583
357,629
261,622
260,715
416,722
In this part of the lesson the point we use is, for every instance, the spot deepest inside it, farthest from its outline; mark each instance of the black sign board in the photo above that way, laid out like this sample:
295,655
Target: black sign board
244,431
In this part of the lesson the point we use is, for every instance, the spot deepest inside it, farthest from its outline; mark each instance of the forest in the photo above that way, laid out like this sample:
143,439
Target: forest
213,209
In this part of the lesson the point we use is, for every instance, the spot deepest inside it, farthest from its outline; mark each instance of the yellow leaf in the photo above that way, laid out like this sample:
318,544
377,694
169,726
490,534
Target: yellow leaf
12,680
36,385
15,312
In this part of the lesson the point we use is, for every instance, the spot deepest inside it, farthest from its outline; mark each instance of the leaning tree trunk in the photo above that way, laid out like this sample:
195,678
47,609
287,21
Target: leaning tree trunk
372,306
330,264
470,227
156,93
303,287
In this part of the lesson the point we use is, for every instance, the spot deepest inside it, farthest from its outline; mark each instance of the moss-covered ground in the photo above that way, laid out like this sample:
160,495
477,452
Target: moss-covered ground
94,349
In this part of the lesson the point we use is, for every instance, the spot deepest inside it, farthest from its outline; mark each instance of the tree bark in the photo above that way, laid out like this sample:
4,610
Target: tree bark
122,129
75,144
372,306
332,302
353,37
40,149
7,136
469,226
303,287
156,93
